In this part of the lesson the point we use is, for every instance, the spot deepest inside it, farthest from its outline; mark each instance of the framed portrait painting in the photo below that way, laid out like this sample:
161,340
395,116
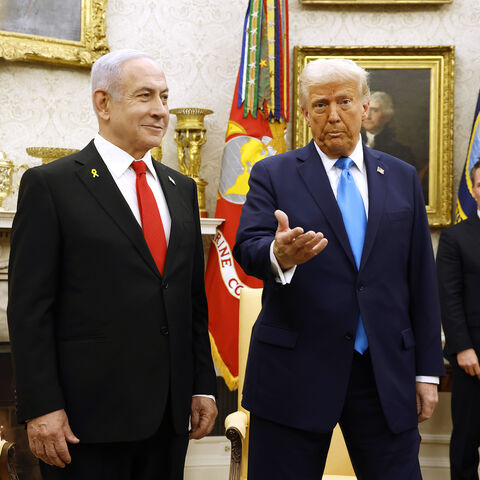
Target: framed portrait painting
67,32
410,114
373,2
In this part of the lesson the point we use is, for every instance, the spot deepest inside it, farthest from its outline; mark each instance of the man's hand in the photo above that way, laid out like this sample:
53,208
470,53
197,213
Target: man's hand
293,246
427,398
204,412
468,360
48,436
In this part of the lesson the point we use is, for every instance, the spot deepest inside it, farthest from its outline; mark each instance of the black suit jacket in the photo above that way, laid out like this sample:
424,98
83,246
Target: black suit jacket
458,267
94,327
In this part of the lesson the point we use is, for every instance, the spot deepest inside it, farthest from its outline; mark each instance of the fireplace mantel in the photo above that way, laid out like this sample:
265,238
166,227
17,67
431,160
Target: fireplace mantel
209,225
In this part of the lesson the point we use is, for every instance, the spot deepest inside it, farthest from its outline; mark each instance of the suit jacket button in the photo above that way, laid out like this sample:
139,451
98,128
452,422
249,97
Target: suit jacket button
164,330
348,336
361,288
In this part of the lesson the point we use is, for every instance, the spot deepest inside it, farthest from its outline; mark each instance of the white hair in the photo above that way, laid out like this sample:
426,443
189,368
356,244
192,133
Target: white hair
323,71
385,102
107,69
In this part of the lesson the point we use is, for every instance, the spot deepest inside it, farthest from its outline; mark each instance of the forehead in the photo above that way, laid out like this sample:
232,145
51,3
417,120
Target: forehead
334,89
140,72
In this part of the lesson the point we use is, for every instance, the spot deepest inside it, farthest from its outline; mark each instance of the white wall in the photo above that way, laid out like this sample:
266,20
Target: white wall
198,43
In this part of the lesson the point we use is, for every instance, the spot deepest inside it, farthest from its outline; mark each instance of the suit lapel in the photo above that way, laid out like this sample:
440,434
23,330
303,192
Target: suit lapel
313,174
97,179
174,199
377,178
474,223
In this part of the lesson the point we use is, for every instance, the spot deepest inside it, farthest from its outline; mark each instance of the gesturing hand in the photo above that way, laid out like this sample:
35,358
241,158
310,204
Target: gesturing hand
48,436
293,246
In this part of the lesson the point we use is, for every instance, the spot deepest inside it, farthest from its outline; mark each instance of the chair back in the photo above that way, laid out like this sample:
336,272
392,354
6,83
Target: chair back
338,460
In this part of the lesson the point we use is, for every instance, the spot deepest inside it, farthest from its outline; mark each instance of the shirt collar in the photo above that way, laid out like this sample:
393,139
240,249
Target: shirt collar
478,213
117,160
356,156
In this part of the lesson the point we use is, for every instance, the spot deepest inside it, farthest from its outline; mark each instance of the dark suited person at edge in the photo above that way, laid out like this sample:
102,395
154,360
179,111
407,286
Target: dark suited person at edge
378,133
107,309
349,329
458,268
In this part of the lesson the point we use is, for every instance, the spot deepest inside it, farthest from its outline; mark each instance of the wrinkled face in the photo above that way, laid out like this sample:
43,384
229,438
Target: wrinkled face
138,119
376,118
476,187
334,112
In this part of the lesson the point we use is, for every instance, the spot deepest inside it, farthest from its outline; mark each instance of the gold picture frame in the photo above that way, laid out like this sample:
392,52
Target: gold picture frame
90,32
374,2
420,81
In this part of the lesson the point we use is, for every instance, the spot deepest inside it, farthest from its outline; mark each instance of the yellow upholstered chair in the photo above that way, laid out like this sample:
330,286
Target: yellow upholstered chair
338,465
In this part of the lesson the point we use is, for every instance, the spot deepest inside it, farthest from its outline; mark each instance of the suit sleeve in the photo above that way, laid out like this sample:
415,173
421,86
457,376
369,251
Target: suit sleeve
204,371
424,301
451,288
257,226
33,284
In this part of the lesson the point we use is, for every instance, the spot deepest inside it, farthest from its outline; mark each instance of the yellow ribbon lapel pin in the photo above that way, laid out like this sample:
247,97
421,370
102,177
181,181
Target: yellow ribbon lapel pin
94,173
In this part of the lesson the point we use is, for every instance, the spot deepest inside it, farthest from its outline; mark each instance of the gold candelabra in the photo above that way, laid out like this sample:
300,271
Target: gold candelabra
190,135
7,169
49,154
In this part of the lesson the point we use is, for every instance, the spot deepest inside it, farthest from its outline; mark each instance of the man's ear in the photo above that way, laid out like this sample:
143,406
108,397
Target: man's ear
101,102
365,106
306,115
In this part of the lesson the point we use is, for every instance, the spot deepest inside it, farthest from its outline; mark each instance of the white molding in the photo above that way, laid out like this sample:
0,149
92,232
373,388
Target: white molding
435,439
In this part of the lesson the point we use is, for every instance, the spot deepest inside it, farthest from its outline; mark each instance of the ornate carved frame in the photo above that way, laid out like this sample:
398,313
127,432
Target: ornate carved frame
373,2
92,45
439,61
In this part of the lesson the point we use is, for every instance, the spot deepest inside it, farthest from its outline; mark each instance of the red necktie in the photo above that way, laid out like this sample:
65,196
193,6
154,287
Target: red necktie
150,216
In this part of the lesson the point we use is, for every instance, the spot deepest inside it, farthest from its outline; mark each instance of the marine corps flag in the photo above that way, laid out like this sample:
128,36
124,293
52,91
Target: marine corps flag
256,130
466,203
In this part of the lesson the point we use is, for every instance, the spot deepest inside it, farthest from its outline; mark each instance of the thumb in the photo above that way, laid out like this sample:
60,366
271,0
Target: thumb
69,435
282,220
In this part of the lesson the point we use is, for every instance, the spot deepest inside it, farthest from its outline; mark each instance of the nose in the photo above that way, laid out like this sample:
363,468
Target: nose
159,109
333,113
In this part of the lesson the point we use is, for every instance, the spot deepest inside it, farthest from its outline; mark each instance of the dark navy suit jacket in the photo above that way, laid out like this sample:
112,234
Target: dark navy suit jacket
302,343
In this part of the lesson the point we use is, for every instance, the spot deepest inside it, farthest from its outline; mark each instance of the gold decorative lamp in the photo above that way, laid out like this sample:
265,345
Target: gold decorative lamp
190,135
7,169
49,154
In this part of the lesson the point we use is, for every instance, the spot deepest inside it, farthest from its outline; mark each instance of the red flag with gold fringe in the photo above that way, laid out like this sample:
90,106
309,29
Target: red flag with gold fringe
256,129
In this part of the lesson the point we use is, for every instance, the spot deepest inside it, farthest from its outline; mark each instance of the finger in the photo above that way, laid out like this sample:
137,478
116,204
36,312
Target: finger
419,405
69,435
303,239
195,420
289,236
282,220
52,455
63,453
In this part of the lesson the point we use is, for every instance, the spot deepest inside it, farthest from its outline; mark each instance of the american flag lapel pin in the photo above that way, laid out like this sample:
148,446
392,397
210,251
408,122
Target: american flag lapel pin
380,170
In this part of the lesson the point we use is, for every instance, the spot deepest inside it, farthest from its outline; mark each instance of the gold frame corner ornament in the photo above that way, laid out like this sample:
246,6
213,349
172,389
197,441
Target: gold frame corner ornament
439,61
92,45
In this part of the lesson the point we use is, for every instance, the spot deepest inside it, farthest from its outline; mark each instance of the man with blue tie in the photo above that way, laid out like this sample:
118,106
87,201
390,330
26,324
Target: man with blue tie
349,330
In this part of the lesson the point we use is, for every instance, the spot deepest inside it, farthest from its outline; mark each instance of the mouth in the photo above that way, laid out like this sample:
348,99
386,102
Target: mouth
156,128
335,134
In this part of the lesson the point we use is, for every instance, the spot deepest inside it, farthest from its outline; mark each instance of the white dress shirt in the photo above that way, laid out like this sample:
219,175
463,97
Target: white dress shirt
359,173
119,163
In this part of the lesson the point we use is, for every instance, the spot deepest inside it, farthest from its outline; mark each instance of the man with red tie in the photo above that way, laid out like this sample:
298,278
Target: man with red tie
107,309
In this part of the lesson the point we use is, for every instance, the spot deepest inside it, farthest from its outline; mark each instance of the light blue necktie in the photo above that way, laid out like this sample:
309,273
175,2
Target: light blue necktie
353,212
